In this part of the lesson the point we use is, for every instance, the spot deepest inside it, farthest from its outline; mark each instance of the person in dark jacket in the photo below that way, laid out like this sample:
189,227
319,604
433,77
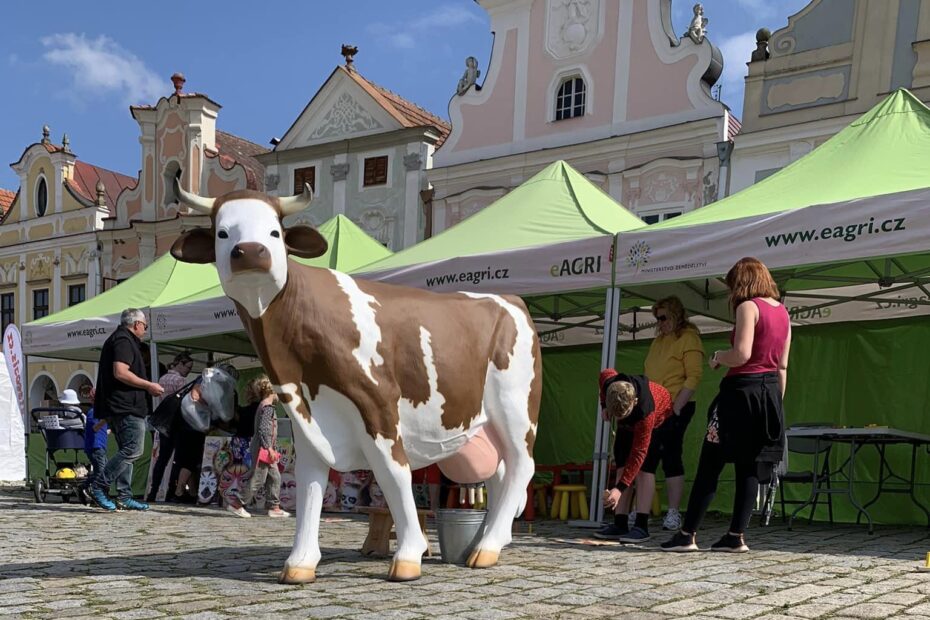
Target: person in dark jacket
639,407
123,400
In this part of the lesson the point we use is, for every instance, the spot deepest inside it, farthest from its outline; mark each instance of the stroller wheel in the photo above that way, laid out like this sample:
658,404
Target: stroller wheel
38,488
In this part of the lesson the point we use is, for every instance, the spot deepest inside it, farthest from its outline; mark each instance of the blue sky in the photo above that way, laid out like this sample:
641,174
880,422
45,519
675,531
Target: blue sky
79,67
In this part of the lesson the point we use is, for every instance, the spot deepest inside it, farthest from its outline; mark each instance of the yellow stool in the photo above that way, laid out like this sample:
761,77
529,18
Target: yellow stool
656,506
569,498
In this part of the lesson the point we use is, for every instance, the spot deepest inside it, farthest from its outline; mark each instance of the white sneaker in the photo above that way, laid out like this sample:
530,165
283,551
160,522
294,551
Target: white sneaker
277,513
239,512
672,520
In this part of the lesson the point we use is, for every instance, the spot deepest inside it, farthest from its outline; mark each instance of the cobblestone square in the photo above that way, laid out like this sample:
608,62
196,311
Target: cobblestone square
70,561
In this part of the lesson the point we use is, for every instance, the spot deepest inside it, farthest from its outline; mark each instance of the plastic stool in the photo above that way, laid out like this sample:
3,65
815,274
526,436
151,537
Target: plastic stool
569,499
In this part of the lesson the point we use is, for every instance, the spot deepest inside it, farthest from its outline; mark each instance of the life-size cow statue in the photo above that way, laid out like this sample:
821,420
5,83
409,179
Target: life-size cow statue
376,376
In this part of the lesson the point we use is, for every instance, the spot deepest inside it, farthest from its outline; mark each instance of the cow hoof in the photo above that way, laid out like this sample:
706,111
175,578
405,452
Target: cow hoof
482,558
294,575
403,570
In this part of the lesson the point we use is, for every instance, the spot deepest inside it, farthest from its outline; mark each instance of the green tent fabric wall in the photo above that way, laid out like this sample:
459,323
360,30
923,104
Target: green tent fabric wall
844,374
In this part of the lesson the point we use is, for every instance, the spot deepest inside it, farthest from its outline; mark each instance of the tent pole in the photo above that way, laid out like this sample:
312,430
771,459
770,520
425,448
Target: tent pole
601,454
153,350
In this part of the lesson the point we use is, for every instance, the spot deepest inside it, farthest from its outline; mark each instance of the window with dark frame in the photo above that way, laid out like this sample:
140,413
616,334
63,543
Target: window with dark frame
375,171
7,310
304,175
570,100
76,294
41,197
39,303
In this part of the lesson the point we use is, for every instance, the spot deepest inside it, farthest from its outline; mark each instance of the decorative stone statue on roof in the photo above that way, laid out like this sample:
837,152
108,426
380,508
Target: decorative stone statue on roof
470,76
698,28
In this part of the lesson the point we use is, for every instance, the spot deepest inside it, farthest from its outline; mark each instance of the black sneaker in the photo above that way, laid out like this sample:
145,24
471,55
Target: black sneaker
681,543
611,532
636,535
730,543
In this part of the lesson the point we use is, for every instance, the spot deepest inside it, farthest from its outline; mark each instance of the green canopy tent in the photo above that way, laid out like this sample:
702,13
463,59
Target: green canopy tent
852,213
78,332
208,320
844,231
550,240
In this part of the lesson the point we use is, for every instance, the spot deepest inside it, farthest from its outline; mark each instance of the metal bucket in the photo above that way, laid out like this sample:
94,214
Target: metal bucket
459,531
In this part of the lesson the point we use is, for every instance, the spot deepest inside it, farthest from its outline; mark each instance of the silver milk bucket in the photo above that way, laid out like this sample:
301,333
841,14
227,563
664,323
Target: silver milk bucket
459,531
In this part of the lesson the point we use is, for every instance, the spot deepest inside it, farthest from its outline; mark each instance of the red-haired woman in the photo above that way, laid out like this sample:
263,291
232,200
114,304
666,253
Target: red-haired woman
746,417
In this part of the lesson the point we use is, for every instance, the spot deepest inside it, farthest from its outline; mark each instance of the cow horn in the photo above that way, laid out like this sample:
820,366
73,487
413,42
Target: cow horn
296,204
195,202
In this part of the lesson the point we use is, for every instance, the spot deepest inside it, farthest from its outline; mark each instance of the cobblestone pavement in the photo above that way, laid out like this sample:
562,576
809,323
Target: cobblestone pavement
69,561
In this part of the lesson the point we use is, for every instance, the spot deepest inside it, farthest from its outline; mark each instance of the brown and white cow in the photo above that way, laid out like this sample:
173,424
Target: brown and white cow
376,376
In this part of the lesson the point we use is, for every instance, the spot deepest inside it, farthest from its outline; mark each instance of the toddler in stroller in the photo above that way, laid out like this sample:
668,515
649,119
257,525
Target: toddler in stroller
62,428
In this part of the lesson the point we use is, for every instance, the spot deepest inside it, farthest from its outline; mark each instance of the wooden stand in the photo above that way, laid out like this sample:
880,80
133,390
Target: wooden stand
380,526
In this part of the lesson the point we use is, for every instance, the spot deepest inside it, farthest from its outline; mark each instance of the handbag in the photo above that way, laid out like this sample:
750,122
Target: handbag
266,456
162,419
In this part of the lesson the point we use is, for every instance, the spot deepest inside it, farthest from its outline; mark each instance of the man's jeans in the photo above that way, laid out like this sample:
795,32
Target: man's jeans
129,431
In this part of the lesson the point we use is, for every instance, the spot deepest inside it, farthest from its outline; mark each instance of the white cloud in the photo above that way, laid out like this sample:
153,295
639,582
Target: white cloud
736,52
758,8
405,35
101,67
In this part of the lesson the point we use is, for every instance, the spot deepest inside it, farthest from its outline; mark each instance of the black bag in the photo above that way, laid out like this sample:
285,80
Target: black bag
163,418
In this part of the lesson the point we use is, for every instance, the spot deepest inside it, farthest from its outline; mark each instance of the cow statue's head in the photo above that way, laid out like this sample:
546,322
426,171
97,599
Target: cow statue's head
247,242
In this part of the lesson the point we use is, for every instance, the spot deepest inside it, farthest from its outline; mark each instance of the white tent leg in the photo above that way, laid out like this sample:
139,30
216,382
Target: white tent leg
601,457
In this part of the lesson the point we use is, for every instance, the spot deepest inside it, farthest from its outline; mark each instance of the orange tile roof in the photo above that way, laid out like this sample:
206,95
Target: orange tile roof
405,112
6,200
84,183
233,149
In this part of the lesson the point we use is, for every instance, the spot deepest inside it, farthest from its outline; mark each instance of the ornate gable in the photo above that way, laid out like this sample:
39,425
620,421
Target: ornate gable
341,109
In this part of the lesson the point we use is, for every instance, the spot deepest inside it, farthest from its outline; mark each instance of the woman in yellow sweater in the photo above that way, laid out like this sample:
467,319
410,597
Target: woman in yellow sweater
675,361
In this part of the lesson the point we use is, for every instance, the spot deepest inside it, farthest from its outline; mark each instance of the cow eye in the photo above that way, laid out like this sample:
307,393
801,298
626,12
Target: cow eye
223,234
275,233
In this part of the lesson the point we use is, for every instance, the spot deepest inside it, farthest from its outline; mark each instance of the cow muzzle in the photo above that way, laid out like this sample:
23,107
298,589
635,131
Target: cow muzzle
250,257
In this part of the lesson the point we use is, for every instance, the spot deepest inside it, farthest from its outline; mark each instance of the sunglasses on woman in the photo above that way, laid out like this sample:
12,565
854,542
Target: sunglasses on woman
661,318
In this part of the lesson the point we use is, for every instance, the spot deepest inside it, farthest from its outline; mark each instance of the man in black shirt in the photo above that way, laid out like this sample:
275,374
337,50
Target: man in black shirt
123,400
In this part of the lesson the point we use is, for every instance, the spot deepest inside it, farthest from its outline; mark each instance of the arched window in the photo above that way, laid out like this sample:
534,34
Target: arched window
570,100
41,197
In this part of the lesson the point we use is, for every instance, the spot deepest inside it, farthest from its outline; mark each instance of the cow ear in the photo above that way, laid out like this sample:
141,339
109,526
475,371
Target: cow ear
305,242
194,246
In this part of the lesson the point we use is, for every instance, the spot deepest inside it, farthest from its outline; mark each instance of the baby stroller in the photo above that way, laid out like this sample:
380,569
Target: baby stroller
65,467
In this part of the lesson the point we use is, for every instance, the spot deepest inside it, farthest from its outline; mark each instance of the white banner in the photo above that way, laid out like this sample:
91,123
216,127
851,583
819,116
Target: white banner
575,265
12,432
15,363
208,317
879,226
84,334
12,406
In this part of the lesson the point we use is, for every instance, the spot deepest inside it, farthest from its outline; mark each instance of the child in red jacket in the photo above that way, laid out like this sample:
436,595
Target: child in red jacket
639,408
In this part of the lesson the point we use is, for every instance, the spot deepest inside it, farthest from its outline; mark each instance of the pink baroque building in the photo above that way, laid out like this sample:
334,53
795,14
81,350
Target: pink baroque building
607,85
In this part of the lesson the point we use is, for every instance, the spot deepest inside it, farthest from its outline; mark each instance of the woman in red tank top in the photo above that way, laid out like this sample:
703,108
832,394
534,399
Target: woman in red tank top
746,419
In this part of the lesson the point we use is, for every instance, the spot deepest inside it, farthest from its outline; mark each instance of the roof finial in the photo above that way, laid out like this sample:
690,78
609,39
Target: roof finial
763,35
101,194
65,143
178,80
46,132
349,52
